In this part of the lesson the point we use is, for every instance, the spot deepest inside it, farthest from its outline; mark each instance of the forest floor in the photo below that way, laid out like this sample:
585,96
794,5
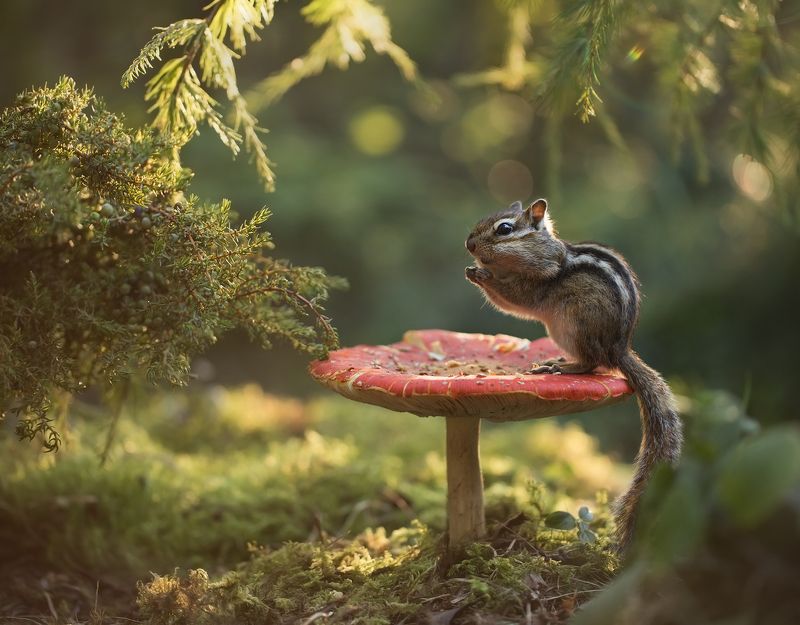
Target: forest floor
236,506
230,506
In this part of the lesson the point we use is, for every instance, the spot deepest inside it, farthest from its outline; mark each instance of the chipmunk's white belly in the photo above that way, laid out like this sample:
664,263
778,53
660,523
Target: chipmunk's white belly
517,311
558,327
510,308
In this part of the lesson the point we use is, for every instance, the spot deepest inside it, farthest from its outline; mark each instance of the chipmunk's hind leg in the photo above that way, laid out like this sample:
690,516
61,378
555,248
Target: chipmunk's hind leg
558,365
551,361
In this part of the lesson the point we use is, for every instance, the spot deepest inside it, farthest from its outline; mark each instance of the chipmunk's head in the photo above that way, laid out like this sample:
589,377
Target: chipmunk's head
516,237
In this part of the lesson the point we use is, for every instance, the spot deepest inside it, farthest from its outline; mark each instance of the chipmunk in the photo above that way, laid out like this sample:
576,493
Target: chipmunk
587,297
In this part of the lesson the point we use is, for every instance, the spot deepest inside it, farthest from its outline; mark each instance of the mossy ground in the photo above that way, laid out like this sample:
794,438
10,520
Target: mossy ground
231,506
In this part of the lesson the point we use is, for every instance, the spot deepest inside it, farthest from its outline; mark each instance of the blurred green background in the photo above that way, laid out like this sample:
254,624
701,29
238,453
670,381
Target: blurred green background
381,184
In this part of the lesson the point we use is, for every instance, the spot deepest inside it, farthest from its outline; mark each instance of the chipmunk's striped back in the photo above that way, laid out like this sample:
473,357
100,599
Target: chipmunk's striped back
614,270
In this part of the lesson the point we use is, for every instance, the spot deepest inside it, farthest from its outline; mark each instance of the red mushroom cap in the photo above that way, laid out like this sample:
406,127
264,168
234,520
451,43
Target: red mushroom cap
441,373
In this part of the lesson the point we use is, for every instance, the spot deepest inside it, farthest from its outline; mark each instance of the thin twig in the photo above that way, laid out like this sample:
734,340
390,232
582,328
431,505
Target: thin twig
50,604
13,175
191,53
112,429
321,319
573,593
317,615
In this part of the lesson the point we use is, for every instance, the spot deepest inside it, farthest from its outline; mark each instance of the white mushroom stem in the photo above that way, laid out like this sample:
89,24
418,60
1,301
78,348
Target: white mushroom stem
465,516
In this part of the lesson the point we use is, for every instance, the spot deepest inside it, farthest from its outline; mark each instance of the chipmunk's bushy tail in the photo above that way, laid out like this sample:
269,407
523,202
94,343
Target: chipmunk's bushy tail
662,436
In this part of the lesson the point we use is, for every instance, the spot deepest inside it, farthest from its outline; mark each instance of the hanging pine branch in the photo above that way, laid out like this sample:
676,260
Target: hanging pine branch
733,60
179,91
517,69
586,28
350,25
179,95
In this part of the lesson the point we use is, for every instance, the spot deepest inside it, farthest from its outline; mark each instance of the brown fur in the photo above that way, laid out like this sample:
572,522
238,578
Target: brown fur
590,310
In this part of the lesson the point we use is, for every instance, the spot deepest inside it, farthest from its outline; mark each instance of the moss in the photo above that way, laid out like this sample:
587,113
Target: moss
380,578
198,478
337,515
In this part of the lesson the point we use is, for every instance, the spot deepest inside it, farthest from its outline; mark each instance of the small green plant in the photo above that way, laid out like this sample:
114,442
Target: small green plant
727,513
561,520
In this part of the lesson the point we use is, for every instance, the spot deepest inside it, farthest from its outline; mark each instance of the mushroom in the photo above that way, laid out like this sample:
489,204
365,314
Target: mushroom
464,378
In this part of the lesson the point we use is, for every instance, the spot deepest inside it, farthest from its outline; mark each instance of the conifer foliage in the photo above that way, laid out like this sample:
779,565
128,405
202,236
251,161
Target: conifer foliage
725,72
180,93
108,267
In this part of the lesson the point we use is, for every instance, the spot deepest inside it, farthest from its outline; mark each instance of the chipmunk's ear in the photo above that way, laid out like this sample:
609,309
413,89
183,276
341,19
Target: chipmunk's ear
516,206
536,213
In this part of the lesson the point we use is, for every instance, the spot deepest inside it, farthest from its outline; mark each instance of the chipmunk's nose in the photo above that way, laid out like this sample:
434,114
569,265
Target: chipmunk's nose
471,244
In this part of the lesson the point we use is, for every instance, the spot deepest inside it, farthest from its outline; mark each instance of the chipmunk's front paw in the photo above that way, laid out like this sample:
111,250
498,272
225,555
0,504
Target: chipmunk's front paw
476,275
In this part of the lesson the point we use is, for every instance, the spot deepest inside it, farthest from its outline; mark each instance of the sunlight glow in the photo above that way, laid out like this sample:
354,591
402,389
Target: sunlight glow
490,129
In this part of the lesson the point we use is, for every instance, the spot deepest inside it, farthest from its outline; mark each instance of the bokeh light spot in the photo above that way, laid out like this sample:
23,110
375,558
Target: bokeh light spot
508,114
752,178
496,125
510,180
376,131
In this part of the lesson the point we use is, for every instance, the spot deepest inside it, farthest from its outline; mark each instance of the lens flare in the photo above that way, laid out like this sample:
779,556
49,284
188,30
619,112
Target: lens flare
635,53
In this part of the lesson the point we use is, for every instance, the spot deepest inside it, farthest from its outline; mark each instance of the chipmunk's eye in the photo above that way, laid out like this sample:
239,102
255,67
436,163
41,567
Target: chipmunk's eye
504,228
